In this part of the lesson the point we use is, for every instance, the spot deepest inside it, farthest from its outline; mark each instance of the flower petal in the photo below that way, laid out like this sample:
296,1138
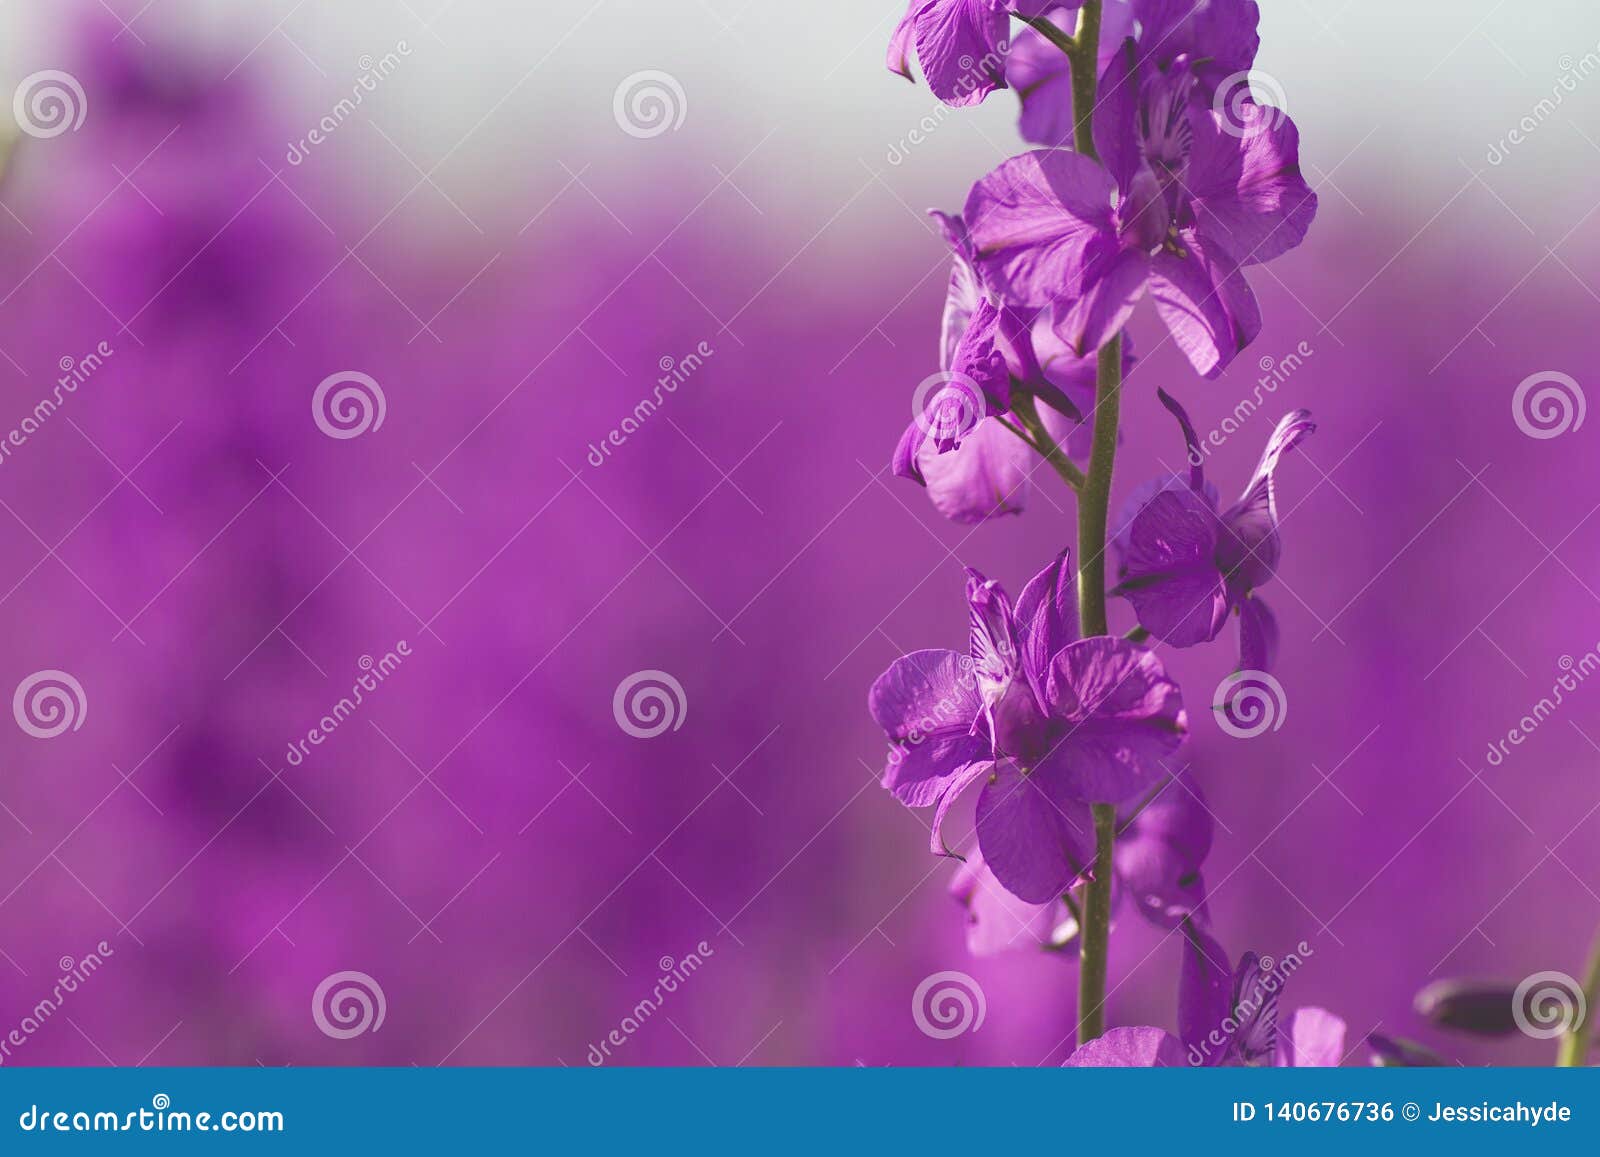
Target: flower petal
1248,549
901,42
1035,838
1191,441
1314,1040
985,477
1169,572
1258,635
1123,716
1039,223
1129,1048
1116,115
997,921
927,701
1047,619
1250,199
1206,303
1204,996
956,785
1115,281
959,47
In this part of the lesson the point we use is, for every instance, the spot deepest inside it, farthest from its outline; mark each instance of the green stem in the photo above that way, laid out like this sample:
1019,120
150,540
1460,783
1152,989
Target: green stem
1096,925
1575,1045
1094,502
1038,436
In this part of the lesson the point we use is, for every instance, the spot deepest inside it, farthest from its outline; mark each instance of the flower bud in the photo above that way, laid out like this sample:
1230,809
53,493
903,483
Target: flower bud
1481,1007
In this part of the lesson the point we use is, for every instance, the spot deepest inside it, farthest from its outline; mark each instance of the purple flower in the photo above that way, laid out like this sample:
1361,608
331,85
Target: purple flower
1226,1016
1159,852
1229,1015
973,467
1186,199
1130,1048
1185,567
961,45
1217,38
1051,723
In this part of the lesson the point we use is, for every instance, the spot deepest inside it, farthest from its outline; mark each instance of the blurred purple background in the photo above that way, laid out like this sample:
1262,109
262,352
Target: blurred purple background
481,837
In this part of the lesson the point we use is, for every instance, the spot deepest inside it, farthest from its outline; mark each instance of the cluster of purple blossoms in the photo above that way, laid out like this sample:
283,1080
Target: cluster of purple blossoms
1168,184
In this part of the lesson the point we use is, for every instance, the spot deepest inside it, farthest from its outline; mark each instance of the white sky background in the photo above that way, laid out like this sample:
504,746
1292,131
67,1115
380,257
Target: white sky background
1401,94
